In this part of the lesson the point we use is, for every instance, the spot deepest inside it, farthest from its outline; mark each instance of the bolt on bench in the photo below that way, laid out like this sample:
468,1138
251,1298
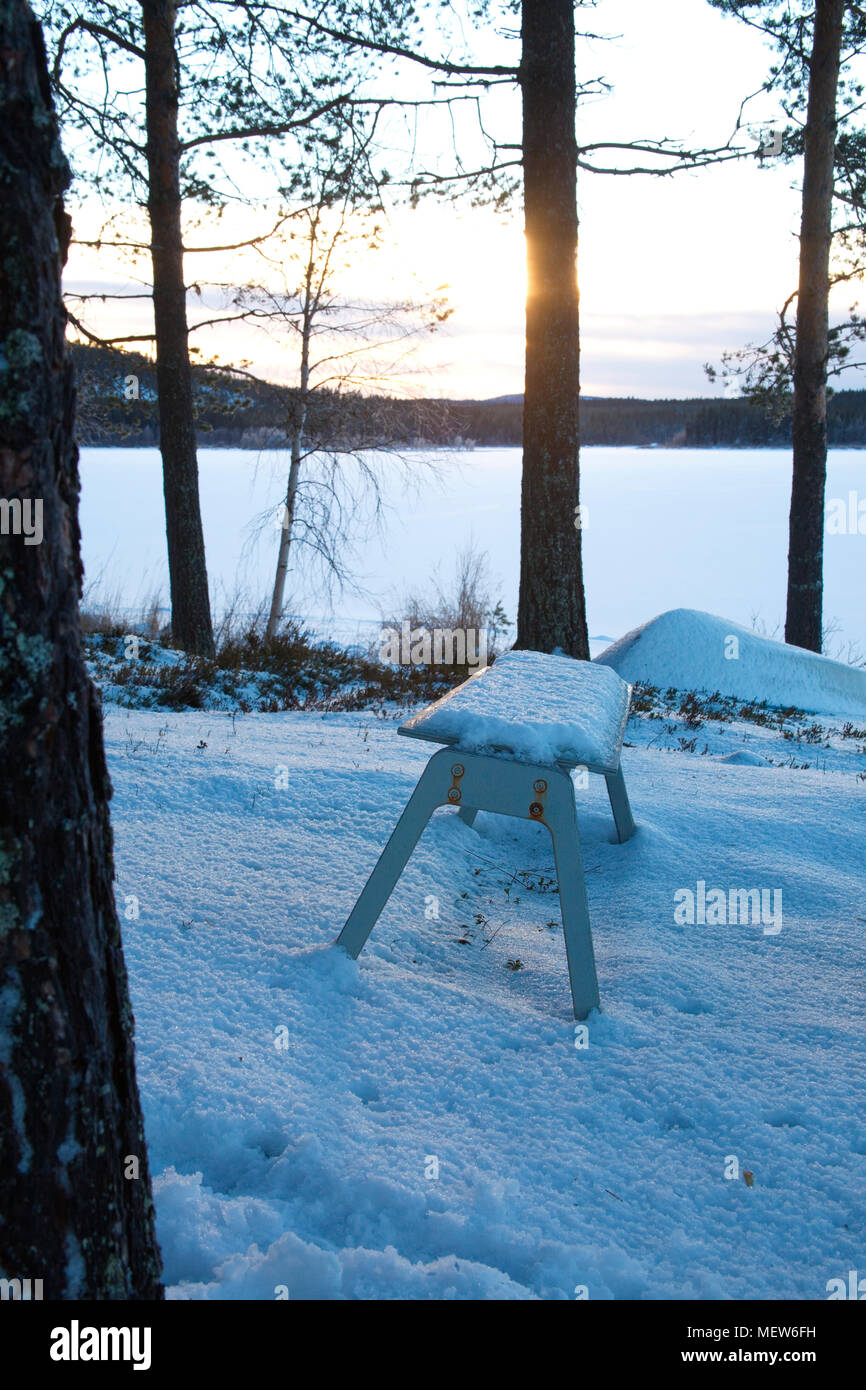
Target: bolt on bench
515,731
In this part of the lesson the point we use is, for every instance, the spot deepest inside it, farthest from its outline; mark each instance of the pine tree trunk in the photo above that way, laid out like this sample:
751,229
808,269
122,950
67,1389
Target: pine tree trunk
70,1118
191,625
551,608
806,525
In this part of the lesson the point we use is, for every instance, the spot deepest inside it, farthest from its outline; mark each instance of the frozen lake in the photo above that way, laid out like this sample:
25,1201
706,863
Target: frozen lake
664,529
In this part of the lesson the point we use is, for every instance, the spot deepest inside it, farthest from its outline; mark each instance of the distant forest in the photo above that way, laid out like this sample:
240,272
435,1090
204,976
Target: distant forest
117,406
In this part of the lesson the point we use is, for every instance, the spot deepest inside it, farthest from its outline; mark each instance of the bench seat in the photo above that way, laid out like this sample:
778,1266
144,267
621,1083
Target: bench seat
537,708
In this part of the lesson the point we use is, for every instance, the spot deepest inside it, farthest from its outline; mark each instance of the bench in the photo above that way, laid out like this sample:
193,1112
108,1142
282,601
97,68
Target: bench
514,732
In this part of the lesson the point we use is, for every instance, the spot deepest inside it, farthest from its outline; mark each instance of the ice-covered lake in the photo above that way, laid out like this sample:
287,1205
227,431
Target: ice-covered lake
663,529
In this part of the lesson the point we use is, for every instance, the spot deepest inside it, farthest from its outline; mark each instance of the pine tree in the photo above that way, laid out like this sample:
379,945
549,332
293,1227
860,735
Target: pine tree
75,1192
551,611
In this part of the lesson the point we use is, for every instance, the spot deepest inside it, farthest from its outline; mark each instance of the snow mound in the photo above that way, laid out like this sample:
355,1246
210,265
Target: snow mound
689,650
744,757
537,708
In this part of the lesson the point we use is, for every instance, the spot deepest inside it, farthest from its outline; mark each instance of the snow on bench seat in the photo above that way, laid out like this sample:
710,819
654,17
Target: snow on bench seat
536,708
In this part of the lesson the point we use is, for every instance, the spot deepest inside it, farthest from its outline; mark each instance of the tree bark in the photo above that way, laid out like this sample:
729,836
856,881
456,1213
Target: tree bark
803,622
551,610
70,1117
191,624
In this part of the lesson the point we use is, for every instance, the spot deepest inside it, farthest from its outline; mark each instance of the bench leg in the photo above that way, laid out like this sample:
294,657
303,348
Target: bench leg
562,823
542,794
380,885
619,804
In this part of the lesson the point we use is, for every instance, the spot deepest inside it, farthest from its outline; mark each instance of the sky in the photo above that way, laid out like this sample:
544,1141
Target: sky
673,271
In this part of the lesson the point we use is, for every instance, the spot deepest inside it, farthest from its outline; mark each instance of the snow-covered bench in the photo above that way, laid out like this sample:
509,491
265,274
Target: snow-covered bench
515,731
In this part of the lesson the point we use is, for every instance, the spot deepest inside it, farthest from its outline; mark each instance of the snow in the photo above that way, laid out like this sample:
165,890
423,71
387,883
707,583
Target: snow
420,1123
536,708
697,651
745,758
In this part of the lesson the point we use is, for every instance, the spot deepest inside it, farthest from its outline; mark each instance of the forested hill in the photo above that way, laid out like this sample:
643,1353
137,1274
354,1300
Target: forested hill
117,406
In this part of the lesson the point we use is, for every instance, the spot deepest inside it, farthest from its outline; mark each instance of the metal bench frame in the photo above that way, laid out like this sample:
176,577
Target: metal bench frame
476,782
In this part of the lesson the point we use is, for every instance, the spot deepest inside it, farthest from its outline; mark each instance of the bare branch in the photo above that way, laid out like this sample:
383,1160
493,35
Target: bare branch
396,51
108,342
273,128
98,31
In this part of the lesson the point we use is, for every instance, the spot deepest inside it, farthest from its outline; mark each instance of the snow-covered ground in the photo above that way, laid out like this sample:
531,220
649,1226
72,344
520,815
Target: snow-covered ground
702,528
426,1122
